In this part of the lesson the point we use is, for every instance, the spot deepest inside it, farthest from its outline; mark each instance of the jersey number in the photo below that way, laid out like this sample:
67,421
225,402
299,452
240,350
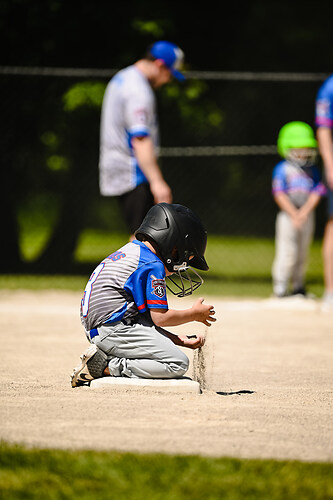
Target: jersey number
116,256
88,289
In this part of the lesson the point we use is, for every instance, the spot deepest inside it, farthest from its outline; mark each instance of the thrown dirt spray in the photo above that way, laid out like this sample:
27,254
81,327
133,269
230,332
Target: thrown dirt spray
200,357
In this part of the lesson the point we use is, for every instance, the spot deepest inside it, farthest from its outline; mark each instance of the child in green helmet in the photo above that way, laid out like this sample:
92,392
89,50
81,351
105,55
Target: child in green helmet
297,189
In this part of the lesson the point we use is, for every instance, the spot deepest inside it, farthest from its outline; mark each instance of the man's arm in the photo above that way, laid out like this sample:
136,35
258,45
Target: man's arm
145,154
325,145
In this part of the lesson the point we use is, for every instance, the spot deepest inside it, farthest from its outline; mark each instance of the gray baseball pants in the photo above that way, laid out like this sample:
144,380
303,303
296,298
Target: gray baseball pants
291,252
140,350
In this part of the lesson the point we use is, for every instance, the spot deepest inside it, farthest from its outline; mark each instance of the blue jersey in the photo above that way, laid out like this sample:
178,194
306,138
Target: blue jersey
324,104
296,182
126,283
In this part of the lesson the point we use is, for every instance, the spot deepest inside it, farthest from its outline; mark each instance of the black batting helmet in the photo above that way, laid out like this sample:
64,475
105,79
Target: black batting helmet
180,238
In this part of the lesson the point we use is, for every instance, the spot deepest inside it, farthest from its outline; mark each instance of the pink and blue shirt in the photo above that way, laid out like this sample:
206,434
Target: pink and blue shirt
297,182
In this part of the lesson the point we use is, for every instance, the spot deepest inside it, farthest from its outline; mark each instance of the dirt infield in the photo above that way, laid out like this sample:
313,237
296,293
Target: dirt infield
266,372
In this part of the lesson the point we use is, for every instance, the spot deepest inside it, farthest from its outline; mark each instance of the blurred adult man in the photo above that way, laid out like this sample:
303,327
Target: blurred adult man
129,139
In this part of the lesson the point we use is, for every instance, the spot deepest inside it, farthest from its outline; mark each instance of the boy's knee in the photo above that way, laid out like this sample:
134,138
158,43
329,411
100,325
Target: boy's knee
179,367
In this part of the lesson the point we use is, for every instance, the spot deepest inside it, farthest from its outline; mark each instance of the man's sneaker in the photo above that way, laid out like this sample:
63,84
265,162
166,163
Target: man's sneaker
93,363
299,291
302,292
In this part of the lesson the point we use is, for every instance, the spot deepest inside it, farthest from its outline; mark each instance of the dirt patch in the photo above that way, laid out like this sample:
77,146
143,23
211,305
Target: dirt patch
265,372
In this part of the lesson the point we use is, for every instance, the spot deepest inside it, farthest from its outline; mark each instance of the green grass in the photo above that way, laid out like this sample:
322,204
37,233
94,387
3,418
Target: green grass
239,266
57,474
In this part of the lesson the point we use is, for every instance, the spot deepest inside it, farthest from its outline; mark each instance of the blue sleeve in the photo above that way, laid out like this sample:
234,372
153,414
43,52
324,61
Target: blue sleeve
147,287
278,179
156,290
324,104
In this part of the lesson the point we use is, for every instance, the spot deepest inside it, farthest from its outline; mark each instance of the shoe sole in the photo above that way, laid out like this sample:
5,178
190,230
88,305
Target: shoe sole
88,353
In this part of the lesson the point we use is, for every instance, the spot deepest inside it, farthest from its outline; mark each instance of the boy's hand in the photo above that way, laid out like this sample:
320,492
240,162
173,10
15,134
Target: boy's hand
203,313
298,219
192,341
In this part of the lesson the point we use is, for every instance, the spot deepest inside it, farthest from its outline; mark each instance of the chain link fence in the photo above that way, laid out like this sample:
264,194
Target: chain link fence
218,161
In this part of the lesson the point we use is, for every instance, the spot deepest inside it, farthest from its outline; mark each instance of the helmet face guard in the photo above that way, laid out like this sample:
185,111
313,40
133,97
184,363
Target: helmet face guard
302,157
183,284
181,242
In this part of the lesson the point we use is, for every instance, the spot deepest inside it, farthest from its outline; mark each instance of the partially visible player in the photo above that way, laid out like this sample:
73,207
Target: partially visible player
297,189
129,133
125,310
324,124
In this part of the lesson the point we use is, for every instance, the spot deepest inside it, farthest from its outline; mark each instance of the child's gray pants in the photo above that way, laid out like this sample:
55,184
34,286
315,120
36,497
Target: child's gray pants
291,252
140,350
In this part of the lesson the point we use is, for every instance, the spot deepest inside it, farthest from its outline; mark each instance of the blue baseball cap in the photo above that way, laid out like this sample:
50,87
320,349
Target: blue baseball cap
171,55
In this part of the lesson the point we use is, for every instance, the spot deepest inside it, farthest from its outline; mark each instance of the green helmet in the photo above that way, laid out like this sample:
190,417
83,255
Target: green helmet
295,135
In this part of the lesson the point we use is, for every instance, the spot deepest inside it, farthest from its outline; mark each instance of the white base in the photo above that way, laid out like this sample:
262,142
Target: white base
178,385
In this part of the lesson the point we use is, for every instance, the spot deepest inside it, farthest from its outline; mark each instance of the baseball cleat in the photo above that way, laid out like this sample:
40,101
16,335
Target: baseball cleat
93,363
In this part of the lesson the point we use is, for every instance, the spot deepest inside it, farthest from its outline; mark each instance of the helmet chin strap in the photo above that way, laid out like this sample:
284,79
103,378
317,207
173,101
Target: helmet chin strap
180,289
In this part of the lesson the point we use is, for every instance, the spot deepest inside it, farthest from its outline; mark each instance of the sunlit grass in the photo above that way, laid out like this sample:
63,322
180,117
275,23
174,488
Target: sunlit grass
239,266
33,473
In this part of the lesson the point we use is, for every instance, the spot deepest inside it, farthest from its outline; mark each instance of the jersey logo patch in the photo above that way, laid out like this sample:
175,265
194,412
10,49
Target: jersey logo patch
141,116
158,286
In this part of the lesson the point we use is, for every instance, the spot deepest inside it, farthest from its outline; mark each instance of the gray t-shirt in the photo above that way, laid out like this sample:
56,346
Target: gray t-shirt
129,110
